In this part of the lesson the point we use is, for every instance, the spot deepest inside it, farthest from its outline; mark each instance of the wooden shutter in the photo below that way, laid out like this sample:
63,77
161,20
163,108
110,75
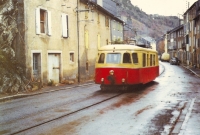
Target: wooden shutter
64,25
37,20
49,26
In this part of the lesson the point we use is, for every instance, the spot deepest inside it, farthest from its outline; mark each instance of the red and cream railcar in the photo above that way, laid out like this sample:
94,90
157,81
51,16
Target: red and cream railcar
125,65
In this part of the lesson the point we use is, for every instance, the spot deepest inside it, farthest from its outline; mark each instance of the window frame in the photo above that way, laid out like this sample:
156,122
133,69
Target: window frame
125,61
144,59
47,21
106,21
100,60
151,60
118,61
71,53
135,58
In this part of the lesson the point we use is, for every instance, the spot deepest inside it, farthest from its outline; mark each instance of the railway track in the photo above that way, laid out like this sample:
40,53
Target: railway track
71,113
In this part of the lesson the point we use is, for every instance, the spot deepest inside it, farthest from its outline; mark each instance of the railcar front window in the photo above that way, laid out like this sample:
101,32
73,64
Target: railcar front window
135,58
101,58
113,58
126,58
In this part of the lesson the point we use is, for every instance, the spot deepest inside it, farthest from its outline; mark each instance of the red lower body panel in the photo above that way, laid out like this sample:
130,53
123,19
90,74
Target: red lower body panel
125,76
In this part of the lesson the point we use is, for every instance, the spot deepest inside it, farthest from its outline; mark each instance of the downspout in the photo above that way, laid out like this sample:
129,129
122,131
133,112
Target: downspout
111,30
78,41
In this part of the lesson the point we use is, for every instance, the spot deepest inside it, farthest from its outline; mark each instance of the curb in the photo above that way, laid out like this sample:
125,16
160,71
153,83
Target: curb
191,71
38,93
63,88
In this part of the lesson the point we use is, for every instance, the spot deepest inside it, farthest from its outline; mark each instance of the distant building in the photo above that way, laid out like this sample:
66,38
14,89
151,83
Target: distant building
184,40
175,42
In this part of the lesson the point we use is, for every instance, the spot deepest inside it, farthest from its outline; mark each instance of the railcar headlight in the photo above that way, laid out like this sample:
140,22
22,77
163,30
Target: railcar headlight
123,80
111,72
102,79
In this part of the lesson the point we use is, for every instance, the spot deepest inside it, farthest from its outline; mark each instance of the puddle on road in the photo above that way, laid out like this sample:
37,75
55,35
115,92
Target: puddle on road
132,96
144,109
157,124
69,128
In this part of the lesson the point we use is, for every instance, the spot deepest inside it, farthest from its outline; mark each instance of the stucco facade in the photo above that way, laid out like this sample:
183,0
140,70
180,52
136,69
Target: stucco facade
61,38
94,32
47,49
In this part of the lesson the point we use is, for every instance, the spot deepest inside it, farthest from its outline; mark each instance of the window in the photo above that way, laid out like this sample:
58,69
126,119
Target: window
36,65
43,21
65,32
101,58
114,38
154,61
199,59
198,42
87,66
135,58
113,58
86,12
118,26
151,60
144,60
71,56
98,18
114,25
107,21
126,58
35,61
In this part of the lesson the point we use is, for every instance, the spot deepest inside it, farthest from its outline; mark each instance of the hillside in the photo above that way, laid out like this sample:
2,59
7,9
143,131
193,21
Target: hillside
145,24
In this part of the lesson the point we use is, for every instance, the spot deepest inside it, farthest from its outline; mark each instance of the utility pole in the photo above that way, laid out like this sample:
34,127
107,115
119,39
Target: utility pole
78,31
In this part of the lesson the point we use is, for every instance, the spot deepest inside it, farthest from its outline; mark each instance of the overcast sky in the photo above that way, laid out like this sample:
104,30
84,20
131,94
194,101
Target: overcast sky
163,7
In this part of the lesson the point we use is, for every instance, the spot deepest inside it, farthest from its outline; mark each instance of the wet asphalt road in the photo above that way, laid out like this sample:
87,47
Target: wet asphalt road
168,105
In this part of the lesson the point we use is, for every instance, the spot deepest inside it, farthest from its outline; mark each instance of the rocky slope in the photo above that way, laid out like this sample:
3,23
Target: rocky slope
145,24
12,79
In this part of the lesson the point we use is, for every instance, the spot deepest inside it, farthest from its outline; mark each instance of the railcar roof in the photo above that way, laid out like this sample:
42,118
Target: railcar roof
124,47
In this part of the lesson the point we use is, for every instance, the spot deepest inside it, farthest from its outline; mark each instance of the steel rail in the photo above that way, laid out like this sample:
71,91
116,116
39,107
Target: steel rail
65,115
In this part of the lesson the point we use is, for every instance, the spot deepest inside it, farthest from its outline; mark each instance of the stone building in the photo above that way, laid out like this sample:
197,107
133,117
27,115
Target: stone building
59,39
175,41
186,38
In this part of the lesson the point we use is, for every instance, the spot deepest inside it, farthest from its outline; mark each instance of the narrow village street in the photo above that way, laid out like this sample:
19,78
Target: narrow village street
99,67
168,105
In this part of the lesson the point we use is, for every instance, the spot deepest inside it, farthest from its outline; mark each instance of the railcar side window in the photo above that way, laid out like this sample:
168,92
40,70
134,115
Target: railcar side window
154,63
144,60
135,57
126,58
113,58
101,58
151,60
